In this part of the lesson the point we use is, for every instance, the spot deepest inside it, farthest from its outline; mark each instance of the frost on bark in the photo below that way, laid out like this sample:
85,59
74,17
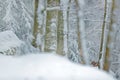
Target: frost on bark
115,47
39,24
103,36
81,5
93,18
35,30
72,32
51,26
51,31
105,30
60,39
42,22
106,64
65,10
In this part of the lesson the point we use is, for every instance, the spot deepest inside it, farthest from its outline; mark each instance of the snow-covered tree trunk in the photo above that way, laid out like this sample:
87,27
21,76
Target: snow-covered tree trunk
115,54
105,30
60,37
72,34
35,30
103,37
81,5
40,24
106,65
51,26
44,24
65,19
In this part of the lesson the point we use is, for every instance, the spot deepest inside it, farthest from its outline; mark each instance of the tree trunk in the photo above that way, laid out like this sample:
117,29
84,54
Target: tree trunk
103,37
35,30
82,31
51,26
106,65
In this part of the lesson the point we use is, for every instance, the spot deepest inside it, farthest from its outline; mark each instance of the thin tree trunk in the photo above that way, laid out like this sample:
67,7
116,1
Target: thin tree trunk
65,31
44,26
82,31
106,65
79,39
35,23
105,30
103,36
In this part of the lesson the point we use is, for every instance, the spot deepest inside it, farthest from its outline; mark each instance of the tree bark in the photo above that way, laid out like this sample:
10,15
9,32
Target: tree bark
35,30
106,65
84,51
103,36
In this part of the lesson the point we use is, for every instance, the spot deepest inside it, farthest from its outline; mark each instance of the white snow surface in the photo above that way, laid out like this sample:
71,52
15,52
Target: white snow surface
8,40
46,67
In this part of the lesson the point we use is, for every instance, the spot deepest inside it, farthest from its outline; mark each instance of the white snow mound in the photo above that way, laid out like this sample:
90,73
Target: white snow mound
46,67
8,40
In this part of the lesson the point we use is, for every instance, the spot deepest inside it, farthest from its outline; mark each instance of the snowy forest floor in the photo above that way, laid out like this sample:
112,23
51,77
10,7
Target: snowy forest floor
46,66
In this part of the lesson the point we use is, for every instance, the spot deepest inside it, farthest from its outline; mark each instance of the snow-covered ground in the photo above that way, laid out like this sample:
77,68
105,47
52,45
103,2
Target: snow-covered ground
10,44
46,67
8,39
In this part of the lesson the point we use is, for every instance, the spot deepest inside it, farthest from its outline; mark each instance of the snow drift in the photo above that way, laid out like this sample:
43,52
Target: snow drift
10,44
46,67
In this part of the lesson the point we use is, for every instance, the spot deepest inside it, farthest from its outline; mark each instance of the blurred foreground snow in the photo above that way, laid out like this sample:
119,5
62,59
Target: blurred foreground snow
46,67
